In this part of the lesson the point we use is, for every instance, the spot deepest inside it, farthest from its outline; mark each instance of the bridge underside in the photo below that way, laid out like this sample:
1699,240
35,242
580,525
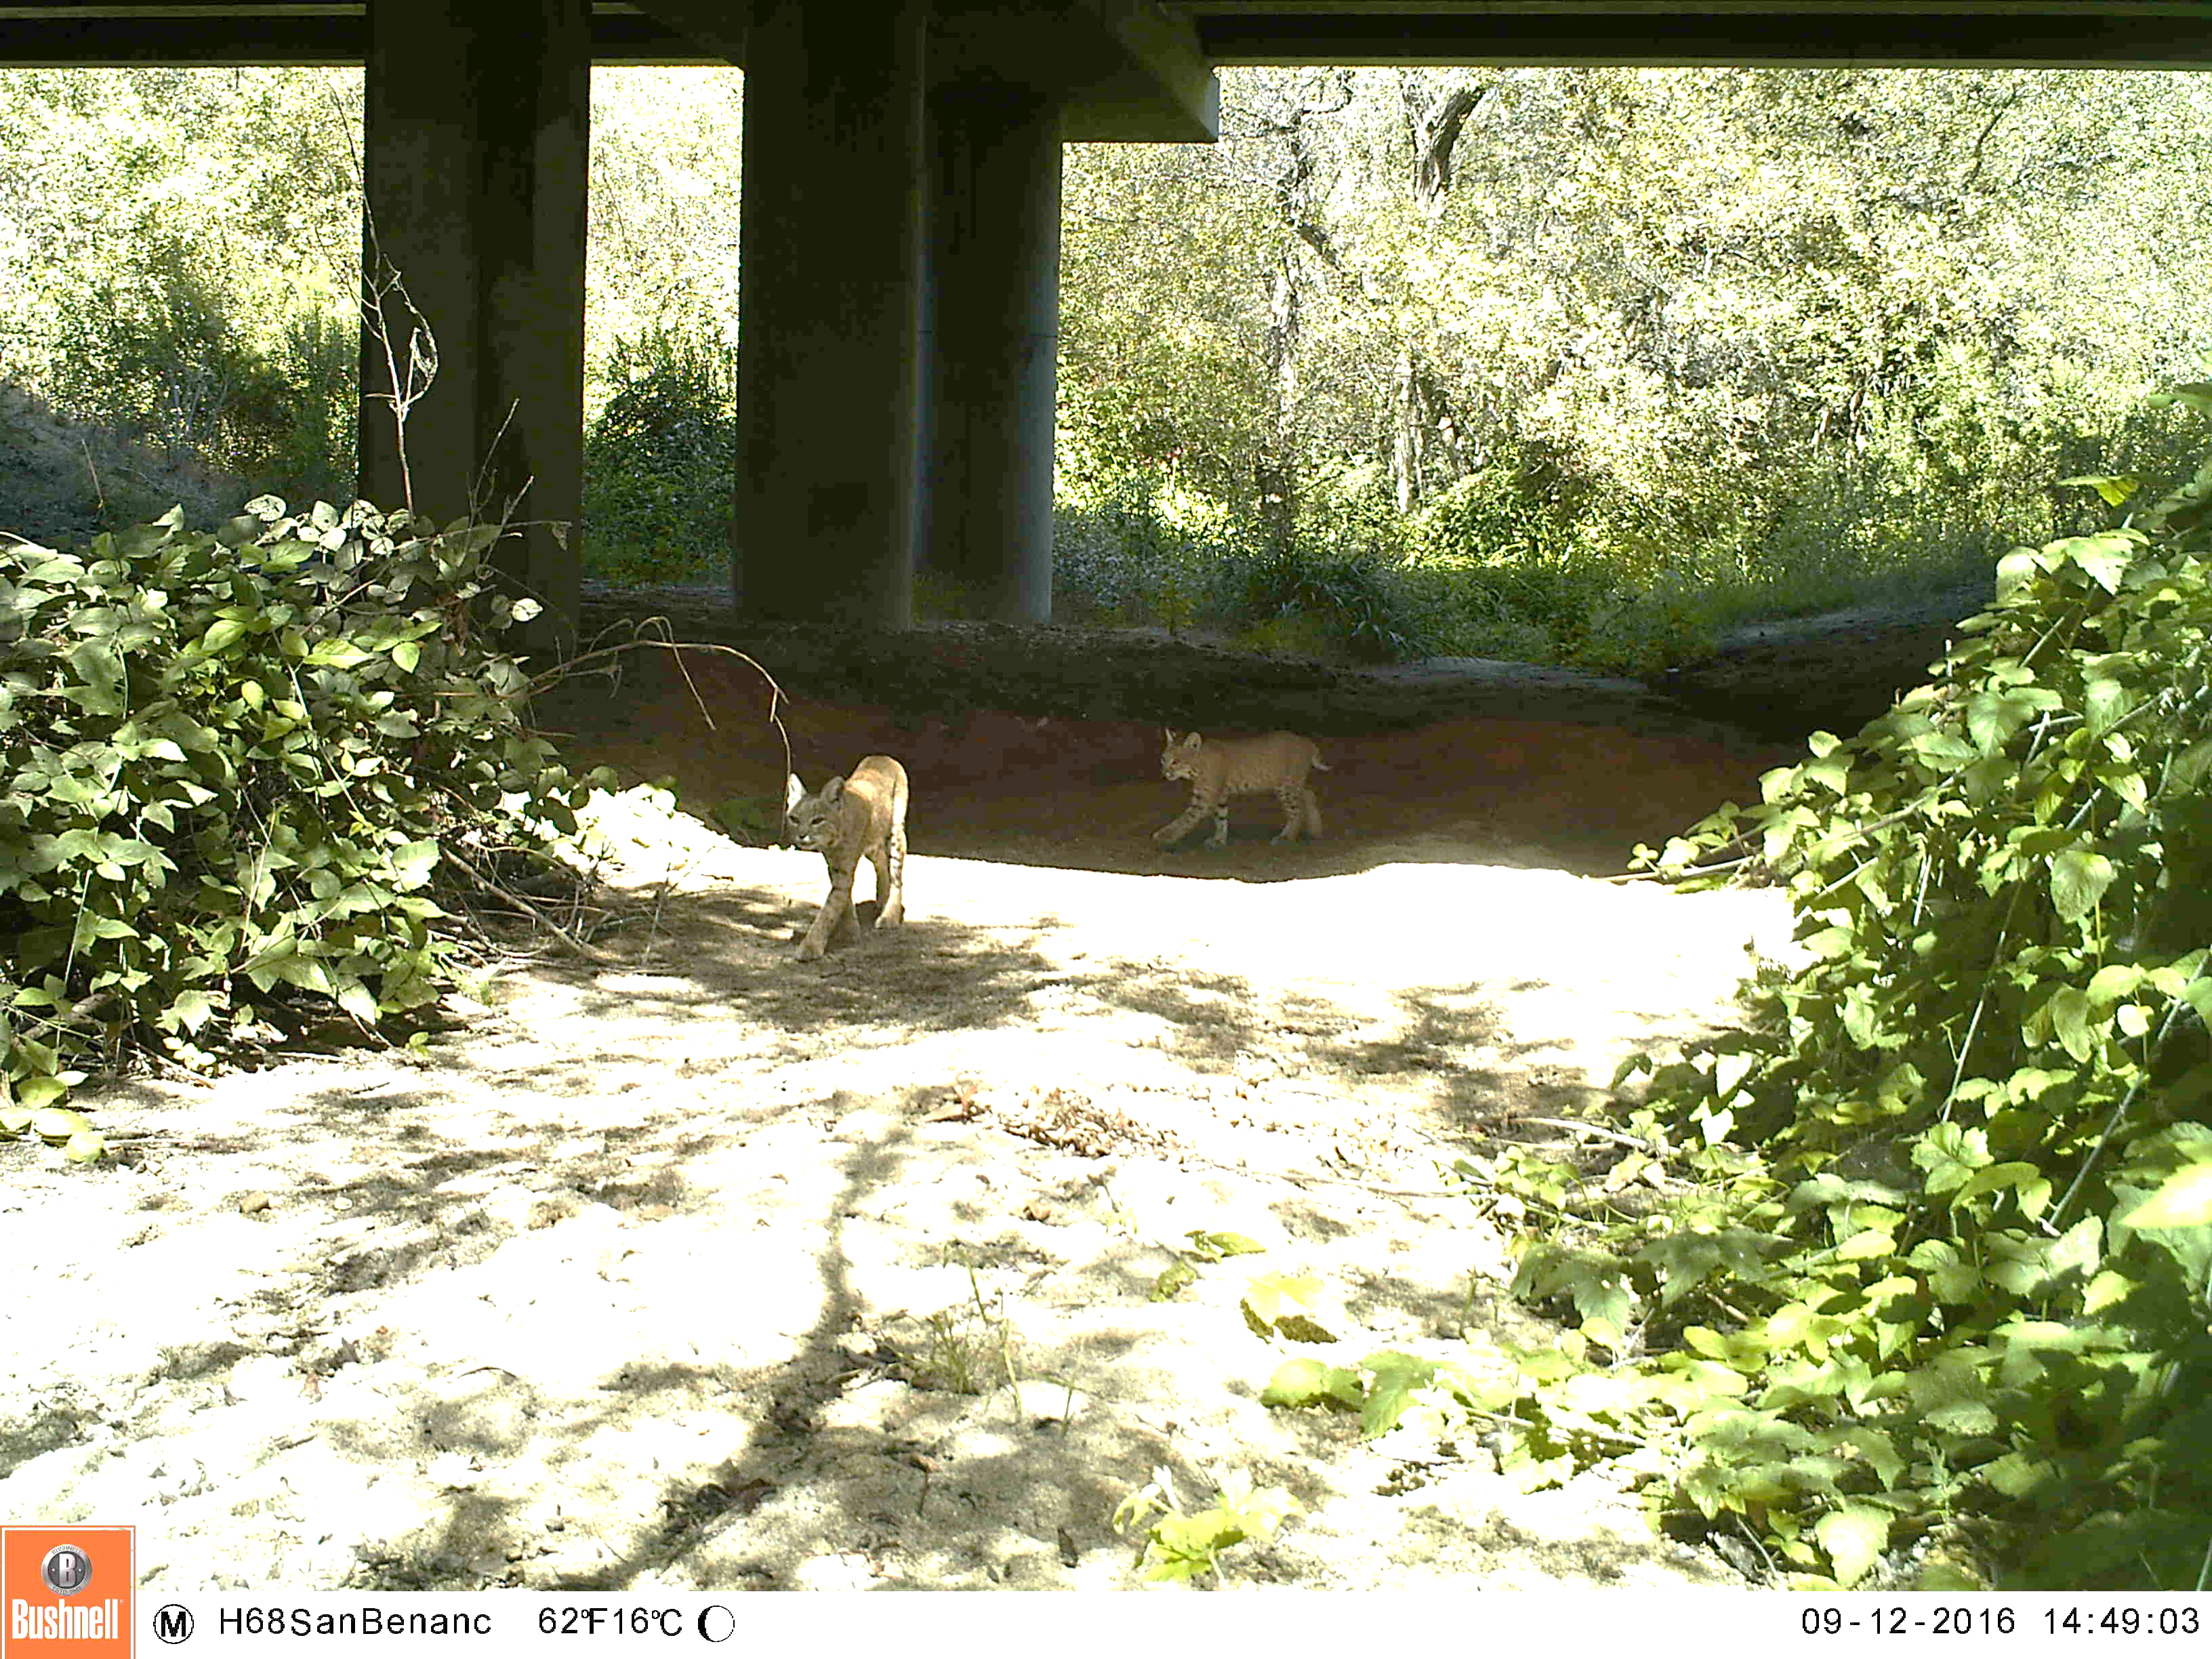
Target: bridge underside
901,209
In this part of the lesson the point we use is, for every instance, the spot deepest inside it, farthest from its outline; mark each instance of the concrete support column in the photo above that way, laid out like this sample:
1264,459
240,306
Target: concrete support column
828,303
993,343
475,153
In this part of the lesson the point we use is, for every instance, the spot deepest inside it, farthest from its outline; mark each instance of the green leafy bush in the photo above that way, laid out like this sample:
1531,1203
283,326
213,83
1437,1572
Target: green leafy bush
660,460
1359,602
243,775
1179,1544
1939,1250
1140,551
1493,516
248,371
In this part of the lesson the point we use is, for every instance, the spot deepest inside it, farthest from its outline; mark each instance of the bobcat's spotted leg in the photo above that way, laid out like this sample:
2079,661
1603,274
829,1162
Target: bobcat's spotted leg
1168,834
835,916
1220,836
1301,817
890,860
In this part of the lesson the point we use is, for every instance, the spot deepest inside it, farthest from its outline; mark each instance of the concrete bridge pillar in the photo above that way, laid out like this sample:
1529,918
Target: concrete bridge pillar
992,345
475,154
830,241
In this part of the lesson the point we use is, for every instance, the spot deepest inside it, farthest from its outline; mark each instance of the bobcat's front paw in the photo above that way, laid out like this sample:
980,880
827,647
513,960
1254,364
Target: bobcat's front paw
812,946
892,914
1164,838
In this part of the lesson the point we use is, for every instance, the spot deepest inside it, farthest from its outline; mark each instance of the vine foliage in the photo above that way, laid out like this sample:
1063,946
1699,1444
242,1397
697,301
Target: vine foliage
1920,1254
1932,1240
243,777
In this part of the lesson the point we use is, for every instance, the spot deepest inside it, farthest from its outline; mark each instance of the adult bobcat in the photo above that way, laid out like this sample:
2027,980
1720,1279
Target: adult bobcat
861,816
1275,763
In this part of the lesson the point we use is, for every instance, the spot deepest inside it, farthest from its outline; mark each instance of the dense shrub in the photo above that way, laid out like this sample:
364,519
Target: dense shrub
660,460
1139,552
1922,1255
245,775
250,373
1357,603
1942,1255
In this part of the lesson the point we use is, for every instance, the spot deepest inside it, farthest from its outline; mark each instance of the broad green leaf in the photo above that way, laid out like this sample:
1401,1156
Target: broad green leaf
56,1124
1874,1448
1948,1155
1951,1279
1305,1381
2079,1249
2128,784
1950,1395
2106,701
1398,1376
2072,1021
1266,1295
2183,1199
101,671
2103,557
190,1009
2115,487
1854,1536
2017,1475
1997,1177
2108,985
2016,570
412,863
2078,880
2106,1290
1865,1246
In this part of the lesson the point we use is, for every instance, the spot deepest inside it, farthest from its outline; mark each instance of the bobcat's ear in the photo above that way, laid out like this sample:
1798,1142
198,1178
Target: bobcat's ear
1190,739
1170,730
794,793
833,792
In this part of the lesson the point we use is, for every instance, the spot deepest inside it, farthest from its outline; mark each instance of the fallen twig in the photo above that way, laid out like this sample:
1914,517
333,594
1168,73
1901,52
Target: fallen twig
583,948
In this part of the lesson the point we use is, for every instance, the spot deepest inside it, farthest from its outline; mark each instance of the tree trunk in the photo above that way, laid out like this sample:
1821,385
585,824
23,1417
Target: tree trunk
1408,445
1436,126
1279,461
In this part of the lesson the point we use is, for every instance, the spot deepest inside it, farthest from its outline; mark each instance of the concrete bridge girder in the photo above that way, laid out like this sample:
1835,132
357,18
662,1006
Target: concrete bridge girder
475,154
991,346
830,250
899,303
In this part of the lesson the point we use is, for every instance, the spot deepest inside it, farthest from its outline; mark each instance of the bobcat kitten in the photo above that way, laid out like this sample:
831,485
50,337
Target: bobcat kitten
863,815
1276,764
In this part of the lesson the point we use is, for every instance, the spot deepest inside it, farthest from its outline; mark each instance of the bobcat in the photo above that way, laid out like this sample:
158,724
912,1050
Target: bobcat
851,818
1217,770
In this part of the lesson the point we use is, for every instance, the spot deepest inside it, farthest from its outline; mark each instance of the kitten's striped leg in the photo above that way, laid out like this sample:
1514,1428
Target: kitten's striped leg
1167,834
